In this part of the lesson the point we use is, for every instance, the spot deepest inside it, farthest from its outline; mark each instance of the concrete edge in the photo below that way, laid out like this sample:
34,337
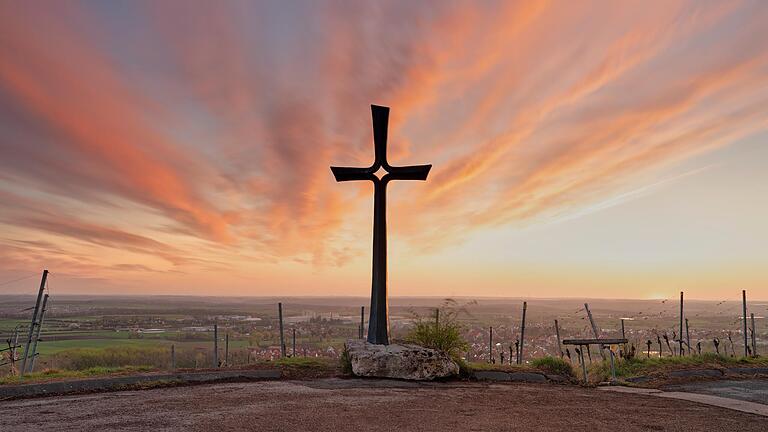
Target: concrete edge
721,402
118,383
733,404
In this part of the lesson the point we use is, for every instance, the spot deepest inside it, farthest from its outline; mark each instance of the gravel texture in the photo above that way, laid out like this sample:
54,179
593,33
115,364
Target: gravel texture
340,405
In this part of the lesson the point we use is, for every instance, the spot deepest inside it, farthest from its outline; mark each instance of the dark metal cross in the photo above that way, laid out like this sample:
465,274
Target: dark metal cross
378,323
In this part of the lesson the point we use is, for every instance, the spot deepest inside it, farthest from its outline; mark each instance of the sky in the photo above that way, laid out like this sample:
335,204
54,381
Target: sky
593,149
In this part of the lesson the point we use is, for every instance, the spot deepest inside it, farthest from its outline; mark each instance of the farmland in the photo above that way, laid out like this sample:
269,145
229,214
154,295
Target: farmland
93,331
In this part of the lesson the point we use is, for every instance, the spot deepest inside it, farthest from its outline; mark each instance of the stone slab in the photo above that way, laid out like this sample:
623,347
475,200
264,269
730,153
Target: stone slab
511,376
527,377
696,373
491,376
639,379
399,361
748,370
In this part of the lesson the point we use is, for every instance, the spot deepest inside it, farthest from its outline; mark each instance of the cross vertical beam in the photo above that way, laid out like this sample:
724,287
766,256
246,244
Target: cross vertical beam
378,323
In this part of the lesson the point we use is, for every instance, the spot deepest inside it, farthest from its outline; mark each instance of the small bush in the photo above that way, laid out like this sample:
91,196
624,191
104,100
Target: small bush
444,335
553,365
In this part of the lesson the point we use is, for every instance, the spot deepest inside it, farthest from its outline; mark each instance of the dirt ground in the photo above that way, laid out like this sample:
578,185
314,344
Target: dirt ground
359,405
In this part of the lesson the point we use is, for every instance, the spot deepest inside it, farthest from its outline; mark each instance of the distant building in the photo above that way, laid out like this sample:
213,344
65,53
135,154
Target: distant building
197,329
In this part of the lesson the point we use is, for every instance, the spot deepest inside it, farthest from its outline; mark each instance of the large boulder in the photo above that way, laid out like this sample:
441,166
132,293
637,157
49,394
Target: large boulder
401,361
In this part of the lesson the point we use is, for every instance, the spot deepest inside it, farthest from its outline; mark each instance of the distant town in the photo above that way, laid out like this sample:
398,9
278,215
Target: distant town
137,330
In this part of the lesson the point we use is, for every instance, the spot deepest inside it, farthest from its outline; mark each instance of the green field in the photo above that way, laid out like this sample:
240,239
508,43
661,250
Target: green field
48,348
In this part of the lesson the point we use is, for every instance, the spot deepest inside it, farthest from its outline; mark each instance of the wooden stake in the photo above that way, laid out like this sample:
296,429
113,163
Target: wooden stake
744,315
623,336
522,335
557,333
687,336
658,339
173,357
583,363
754,338
33,323
215,345
594,330
293,347
680,338
37,334
226,350
490,344
282,336
14,348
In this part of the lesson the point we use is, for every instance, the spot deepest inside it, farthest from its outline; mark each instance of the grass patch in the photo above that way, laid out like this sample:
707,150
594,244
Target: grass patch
52,374
553,365
112,357
441,332
55,347
638,366
483,366
305,367
303,362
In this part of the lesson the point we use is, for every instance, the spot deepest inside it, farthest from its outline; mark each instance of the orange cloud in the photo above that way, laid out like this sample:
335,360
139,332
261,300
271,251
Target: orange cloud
199,139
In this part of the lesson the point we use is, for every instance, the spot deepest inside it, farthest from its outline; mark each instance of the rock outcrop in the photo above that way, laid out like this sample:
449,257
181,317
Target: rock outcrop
401,361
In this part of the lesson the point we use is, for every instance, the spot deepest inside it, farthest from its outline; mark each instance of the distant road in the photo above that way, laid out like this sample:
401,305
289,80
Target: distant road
338,405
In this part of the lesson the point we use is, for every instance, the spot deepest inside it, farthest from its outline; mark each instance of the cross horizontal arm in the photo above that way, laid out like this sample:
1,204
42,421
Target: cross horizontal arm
352,173
413,172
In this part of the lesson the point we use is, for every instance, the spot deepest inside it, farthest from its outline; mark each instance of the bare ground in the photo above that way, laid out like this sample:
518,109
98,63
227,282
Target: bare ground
355,405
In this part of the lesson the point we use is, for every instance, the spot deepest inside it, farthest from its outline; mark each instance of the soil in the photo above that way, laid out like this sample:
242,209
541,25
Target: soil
338,405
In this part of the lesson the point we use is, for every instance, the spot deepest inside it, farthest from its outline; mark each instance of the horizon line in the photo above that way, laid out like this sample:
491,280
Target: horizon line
519,298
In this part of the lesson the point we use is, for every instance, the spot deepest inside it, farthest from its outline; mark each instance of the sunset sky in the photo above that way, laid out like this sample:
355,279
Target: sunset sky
610,149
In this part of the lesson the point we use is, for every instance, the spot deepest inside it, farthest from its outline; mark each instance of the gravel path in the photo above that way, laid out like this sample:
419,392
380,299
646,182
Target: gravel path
339,405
